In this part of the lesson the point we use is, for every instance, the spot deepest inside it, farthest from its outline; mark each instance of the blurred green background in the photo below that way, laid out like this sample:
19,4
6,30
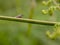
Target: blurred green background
14,33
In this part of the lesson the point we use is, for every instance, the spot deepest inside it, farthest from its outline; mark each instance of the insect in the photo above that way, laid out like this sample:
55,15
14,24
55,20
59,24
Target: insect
19,16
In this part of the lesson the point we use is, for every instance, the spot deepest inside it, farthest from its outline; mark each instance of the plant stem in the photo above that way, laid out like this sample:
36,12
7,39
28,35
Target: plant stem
31,16
28,20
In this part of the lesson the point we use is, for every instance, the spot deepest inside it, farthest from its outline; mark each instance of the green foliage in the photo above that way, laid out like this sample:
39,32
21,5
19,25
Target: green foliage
14,33
56,32
52,6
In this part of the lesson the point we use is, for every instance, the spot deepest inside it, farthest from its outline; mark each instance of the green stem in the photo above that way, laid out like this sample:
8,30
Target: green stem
28,20
31,16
